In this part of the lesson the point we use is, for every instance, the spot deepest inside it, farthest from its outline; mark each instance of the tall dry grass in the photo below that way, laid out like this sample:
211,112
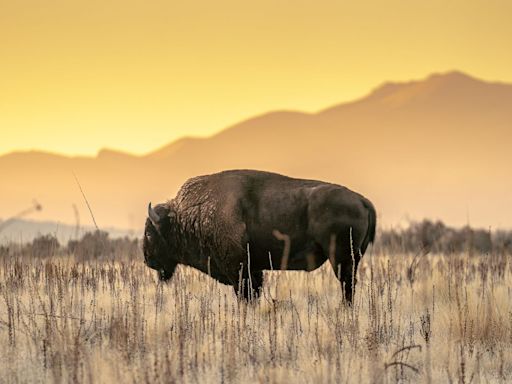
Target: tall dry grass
432,318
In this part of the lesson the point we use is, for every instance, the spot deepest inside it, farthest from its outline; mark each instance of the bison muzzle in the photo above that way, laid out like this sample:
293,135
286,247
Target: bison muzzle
233,225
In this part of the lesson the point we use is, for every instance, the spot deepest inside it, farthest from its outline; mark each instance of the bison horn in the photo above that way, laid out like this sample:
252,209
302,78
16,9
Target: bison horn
153,216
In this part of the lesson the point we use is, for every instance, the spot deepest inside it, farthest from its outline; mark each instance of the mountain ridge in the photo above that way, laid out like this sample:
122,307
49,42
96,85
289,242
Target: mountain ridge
423,148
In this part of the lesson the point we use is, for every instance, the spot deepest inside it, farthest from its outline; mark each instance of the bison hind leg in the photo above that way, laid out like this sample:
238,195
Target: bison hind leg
344,256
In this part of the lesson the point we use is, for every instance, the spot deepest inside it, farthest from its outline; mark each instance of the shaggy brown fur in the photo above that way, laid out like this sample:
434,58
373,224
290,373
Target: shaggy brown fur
216,219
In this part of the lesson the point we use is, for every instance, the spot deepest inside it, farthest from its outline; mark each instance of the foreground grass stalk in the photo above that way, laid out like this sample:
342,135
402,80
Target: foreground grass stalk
446,319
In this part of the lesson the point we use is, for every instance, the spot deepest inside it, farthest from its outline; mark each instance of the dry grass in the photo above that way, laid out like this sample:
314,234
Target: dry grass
437,319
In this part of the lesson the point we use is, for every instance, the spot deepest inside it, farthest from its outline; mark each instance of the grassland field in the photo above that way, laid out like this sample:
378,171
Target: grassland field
416,318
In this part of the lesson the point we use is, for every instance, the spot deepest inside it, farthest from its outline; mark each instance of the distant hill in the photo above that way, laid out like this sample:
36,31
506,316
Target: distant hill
22,231
437,147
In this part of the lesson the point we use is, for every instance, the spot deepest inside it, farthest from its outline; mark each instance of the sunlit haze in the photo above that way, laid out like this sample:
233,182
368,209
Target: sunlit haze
77,76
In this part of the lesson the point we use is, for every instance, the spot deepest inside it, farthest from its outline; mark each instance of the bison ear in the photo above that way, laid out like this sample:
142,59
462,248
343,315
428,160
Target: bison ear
154,218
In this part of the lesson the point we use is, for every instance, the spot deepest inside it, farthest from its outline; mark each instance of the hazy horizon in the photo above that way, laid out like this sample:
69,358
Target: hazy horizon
409,104
78,76
101,148
431,148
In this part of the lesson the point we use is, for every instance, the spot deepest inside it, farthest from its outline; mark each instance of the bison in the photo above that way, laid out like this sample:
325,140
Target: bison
235,224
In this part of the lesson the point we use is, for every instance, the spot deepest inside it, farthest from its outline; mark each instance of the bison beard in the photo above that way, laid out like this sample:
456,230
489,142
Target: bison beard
234,225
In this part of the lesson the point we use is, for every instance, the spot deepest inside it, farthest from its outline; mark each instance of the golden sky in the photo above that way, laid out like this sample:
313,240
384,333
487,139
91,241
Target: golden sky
76,76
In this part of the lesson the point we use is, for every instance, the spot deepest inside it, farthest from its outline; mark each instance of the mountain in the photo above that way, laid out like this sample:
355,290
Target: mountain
436,147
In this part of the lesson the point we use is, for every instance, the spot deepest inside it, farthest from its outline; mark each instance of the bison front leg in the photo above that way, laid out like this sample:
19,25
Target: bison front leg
249,288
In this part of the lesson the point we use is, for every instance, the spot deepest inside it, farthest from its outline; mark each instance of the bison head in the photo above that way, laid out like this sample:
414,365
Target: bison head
155,244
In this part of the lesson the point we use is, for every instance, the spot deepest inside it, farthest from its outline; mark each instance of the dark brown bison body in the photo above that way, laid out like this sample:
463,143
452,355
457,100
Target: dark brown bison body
239,223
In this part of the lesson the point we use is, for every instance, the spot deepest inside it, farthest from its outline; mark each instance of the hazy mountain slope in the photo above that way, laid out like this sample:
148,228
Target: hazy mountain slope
436,147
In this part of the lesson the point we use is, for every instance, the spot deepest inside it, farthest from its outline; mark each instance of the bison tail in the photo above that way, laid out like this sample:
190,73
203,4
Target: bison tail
372,223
